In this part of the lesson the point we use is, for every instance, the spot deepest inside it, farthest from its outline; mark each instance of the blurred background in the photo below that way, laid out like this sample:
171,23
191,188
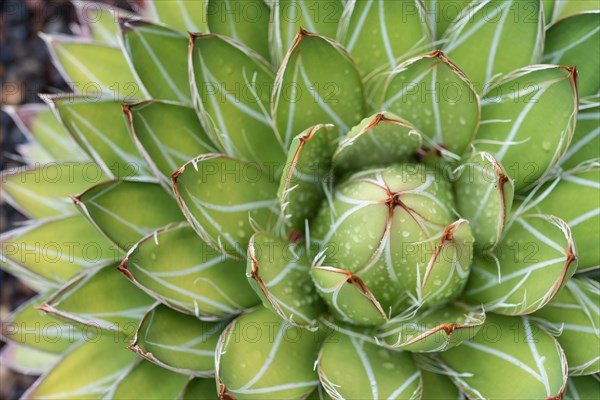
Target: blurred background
25,71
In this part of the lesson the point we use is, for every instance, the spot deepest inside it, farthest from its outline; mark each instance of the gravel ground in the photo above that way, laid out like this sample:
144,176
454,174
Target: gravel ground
25,70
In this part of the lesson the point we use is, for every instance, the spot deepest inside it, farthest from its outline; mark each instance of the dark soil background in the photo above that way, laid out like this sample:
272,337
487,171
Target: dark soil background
25,70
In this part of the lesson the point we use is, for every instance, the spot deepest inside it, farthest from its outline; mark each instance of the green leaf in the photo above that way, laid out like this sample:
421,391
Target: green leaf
231,86
108,358
278,273
433,330
199,389
371,31
441,14
125,211
179,342
564,9
93,69
381,139
317,83
145,380
30,328
42,191
56,249
186,16
575,313
484,196
347,296
167,135
535,105
432,94
240,200
108,312
394,229
100,128
260,356
289,16
438,386
580,187
379,374
99,20
574,41
548,7
26,360
159,56
307,169
39,125
582,388
586,139
179,269
533,261
245,21
492,38
508,358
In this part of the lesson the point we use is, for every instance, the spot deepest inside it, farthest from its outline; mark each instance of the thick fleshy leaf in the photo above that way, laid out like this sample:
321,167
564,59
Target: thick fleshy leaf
494,37
442,13
176,267
307,169
289,16
317,83
381,139
241,197
348,296
100,128
109,311
26,360
381,34
231,86
56,249
245,21
110,360
30,279
379,374
508,358
159,56
484,196
438,386
39,124
167,135
432,94
433,330
559,197
31,328
199,389
42,191
186,16
145,380
99,20
94,69
535,258
564,9
394,229
575,313
179,342
582,388
125,211
260,356
278,273
574,41
535,105
548,7
586,139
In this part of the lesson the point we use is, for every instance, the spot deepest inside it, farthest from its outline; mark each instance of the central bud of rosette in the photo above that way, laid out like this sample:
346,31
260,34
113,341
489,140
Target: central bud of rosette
390,243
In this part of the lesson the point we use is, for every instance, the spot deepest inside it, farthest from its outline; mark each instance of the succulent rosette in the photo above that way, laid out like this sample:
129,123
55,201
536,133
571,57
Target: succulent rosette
313,199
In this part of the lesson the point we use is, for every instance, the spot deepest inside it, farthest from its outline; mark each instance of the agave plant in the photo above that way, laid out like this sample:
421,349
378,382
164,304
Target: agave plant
313,199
